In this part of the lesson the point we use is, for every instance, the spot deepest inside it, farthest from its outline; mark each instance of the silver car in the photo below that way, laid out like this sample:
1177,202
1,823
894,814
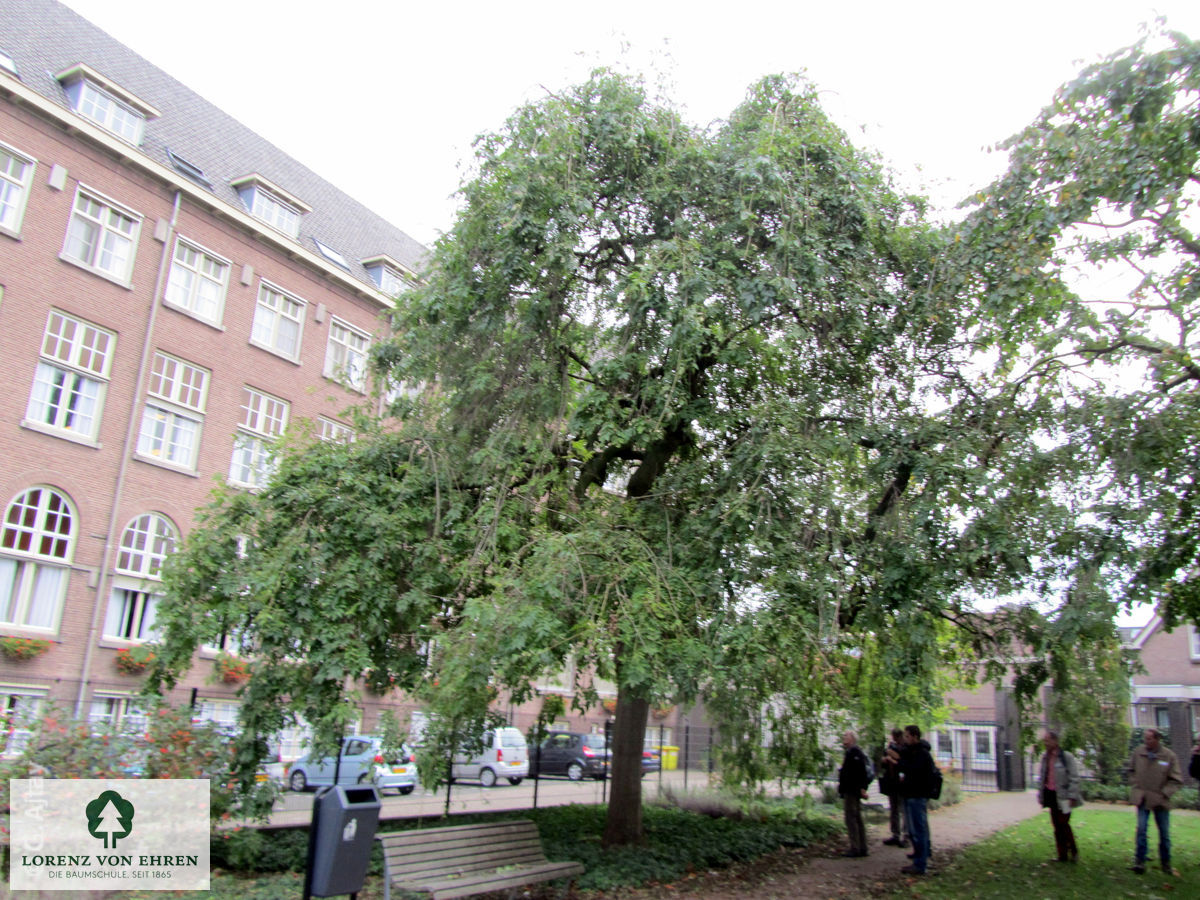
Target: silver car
362,762
505,755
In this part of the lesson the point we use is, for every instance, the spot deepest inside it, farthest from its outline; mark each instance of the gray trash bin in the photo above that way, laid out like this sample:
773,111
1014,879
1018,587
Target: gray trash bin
344,823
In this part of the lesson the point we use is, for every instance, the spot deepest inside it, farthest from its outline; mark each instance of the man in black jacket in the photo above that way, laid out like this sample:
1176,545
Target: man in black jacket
916,784
889,785
853,779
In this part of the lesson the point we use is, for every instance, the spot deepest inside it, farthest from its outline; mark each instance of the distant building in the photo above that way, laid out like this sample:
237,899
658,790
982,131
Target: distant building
1170,681
1165,694
175,292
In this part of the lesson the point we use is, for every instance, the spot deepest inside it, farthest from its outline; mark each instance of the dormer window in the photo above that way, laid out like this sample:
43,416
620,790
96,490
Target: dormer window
389,276
107,104
271,204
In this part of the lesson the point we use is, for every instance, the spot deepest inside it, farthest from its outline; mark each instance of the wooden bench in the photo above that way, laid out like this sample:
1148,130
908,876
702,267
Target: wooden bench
465,860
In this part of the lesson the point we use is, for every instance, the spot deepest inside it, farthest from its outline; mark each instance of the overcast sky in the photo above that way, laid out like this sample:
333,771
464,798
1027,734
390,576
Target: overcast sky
384,97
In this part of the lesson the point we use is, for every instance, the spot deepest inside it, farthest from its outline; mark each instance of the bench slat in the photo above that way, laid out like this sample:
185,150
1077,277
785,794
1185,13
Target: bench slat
521,826
446,889
480,859
435,848
462,866
478,855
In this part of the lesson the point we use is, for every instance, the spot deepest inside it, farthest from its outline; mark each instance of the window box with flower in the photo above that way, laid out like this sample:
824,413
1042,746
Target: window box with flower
14,647
134,660
231,669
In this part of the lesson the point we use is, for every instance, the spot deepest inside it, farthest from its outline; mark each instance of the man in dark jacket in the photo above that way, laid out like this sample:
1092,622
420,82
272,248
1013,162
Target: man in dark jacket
853,779
889,785
916,783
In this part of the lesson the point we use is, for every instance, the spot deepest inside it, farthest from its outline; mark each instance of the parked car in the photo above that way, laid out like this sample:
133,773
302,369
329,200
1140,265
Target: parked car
572,754
505,755
651,761
362,763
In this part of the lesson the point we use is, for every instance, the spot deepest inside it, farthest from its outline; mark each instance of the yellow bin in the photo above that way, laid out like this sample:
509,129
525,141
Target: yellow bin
669,756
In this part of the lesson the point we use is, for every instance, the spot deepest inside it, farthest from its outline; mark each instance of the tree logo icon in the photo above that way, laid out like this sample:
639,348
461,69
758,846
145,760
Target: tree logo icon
110,816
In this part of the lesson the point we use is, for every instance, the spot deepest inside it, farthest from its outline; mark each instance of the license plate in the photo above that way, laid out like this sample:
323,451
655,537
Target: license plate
514,763
400,770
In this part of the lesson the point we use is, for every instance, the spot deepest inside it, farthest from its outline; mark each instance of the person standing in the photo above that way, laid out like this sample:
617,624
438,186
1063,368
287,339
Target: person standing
1060,793
889,784
1156,776
916,784
853,778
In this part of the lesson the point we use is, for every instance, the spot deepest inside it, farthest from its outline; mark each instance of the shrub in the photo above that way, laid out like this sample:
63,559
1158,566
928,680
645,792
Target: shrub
251,850
676,842
1095,792
952,792
829,794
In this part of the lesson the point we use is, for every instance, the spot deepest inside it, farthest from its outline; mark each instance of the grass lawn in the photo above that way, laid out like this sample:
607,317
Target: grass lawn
1016,862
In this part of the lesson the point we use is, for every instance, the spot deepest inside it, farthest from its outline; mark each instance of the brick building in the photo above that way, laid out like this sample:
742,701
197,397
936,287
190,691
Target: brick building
1166,693
175,292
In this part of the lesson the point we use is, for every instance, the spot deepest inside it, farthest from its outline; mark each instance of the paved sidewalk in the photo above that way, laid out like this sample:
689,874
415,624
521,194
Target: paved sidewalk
792,874
951,828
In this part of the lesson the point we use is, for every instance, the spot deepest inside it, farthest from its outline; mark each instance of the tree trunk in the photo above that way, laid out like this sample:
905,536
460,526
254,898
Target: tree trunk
624,824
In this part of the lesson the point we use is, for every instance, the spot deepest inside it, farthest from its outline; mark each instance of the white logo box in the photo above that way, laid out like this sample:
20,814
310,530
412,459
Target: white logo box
109,834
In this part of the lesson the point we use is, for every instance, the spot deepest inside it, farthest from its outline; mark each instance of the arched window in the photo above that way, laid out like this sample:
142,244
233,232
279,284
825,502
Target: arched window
147,541
35,545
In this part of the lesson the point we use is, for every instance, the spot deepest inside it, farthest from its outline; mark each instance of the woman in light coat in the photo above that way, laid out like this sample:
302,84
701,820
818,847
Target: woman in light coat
1060,794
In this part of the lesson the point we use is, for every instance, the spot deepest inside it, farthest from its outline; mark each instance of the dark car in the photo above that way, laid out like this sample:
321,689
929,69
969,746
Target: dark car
572,754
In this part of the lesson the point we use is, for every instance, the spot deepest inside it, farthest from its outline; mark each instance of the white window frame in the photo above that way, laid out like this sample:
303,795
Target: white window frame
1193,643
111,114
14,190
264,420
392,282
273,308
37,542
221,712
189,277
176,398
94,240
17,717
388,278
275,212
346,355
132,611
146,543
118,712
71,378
334,431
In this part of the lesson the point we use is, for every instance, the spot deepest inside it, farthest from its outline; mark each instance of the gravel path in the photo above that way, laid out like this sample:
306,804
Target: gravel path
820,872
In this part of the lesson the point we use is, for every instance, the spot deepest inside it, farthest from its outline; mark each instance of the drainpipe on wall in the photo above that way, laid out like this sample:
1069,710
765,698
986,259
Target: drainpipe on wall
131,432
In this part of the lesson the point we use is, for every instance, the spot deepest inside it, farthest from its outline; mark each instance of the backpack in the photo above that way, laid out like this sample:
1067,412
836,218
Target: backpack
935,783
868,769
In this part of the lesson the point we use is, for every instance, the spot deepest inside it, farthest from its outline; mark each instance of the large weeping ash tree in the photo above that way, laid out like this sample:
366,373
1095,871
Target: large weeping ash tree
702,416
714,407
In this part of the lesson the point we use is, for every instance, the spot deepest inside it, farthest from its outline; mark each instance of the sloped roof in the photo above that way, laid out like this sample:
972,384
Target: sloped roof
44,37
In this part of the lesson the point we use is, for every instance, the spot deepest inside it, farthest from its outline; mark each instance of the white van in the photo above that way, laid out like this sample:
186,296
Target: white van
505,755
